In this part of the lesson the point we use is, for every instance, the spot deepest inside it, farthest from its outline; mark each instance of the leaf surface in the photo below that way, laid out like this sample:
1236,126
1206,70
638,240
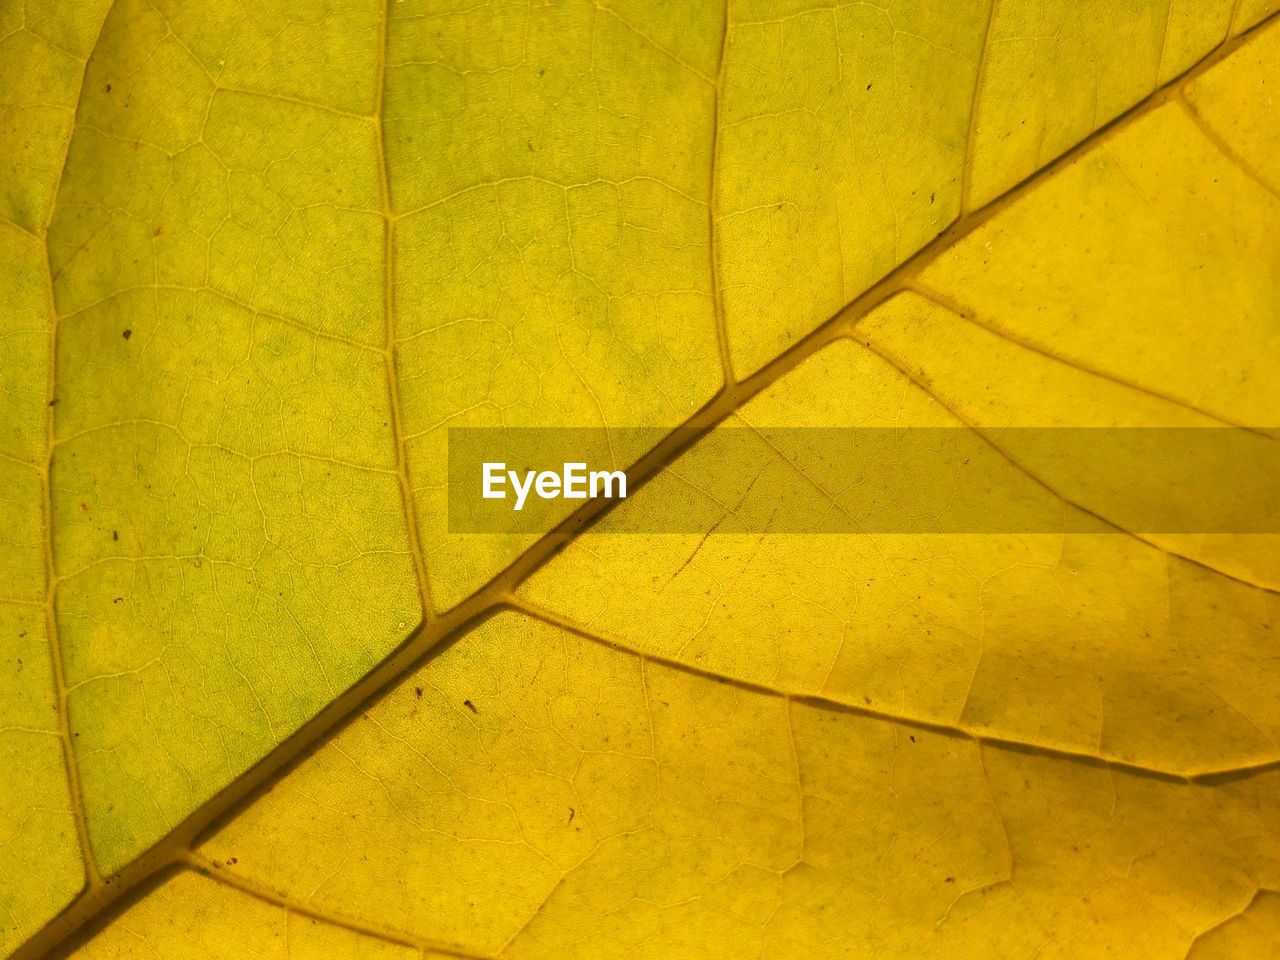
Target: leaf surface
535,793
259,261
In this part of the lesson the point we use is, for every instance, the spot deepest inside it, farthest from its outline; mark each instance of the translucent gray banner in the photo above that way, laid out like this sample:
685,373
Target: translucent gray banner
870,480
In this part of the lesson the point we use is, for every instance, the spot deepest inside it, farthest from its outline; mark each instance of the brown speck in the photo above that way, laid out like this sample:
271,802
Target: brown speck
108,88
118,600
571,814
84,506
127,334
115,534
913,739
158,231
866,700
53,402
951,879
418,692
136,143
470,706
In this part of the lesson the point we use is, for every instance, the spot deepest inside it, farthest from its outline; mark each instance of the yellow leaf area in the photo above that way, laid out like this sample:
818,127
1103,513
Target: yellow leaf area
257,259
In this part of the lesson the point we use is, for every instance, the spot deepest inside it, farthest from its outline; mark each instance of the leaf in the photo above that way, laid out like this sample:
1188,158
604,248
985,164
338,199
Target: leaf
600,803
289,247
234,924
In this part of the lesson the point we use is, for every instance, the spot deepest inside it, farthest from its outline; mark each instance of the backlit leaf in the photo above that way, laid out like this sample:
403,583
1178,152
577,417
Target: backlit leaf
256,261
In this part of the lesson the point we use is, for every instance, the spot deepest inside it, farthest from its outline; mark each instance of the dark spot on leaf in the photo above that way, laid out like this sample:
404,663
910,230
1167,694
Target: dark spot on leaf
470,706
571,814
115,534
127,334
418,691
951,879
